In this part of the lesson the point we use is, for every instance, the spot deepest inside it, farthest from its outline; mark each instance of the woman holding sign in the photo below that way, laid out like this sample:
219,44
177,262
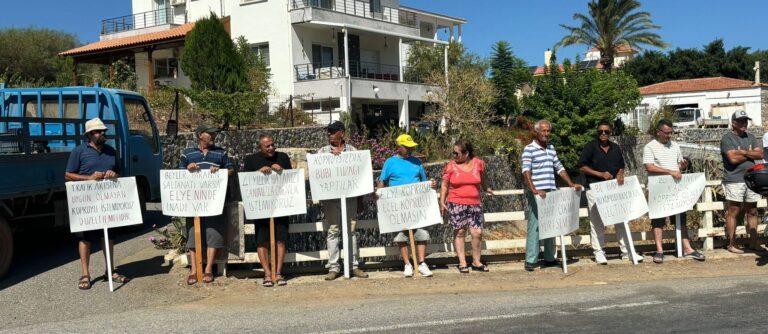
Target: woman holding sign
267,160
403,169
463,180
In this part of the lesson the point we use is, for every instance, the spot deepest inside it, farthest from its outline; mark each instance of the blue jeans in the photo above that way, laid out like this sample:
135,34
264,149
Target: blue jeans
532,239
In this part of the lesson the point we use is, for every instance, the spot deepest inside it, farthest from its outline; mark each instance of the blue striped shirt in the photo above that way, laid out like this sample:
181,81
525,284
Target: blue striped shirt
215,157
542,163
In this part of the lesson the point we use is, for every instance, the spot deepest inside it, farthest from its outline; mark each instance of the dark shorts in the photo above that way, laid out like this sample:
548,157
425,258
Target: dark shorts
94,236
262,230
465,216
212,231
660,222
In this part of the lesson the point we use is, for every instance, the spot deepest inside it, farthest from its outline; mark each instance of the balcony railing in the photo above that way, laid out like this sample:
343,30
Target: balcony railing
149,19
360,8
357,69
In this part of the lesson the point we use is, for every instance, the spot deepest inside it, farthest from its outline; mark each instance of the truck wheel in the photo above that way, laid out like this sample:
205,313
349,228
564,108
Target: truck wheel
6,247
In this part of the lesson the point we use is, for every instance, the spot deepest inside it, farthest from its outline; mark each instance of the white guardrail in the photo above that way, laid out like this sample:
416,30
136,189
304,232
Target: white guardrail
705,205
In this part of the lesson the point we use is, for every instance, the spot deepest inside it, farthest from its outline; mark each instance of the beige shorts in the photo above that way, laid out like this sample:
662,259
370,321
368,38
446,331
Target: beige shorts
738,192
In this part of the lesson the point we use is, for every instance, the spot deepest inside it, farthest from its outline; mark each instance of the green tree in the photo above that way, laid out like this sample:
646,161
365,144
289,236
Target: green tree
649,68
258,73
508,75
424,59
211,60
610,24
29,56
574,101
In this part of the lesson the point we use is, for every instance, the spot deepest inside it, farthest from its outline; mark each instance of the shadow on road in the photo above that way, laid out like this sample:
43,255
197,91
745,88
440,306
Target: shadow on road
37,252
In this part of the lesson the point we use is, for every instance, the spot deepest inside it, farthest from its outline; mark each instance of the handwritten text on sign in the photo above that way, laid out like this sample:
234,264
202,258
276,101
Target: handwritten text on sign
189,194
558,213
274,194
348,174
94,205
617,204
667,196
407,207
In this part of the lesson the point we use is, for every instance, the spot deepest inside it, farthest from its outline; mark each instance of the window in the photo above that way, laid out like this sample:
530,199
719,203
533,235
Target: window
262,50
327,4
322,56
166,68
376,6
140,121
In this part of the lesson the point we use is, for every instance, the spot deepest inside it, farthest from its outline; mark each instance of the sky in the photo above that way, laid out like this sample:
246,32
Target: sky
530,26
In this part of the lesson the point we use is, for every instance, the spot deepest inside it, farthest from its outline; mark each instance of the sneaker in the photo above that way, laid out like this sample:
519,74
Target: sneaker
600,258
356,272
332,275
529,266
625,257
424,270
408,271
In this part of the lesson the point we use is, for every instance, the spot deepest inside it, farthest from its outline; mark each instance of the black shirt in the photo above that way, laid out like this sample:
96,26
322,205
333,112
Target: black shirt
594,157
254,162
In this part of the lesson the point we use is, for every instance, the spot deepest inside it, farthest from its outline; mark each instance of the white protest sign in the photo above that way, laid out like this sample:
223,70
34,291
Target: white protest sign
192,194
558,213
348,174
618,204
95,205
276,194
667,196
406,207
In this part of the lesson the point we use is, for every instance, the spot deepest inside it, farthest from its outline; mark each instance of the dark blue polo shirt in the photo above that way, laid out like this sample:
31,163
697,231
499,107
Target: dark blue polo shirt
86,160
216,157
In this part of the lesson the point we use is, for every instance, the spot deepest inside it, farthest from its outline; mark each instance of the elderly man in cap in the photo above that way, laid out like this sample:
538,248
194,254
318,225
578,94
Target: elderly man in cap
403,169
94,160
740,149
206,155
332,209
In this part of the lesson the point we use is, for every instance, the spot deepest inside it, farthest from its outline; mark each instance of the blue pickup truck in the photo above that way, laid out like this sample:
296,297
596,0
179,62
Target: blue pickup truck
38,129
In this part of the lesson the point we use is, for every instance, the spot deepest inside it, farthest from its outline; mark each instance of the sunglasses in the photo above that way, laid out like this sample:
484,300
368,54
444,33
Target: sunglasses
604,132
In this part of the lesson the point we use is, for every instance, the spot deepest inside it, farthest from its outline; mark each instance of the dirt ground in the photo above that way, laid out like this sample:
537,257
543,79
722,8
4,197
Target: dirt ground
244,286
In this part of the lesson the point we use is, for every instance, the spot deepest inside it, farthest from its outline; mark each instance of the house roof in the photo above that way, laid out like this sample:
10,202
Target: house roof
622,48
697,85
131,41
582,65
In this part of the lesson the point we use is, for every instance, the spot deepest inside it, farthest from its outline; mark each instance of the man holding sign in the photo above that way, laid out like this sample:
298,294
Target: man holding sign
206,155
662,156
603,160
740,149
267,160
332,210
403,169
540,163
94,160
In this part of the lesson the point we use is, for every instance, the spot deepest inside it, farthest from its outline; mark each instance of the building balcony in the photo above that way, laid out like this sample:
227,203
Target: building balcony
141,23
355,13
357,69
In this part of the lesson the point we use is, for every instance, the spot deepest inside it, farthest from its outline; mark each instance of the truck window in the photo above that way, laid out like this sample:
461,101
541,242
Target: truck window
140,121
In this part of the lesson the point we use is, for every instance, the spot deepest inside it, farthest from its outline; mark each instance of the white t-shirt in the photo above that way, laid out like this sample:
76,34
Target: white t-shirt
666,156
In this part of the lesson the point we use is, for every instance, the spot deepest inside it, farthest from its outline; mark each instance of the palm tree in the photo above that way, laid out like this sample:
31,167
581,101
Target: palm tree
610,24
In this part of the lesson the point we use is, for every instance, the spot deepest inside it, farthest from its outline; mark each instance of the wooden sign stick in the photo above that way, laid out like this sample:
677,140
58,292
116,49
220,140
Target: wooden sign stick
413,249
272,250
199,252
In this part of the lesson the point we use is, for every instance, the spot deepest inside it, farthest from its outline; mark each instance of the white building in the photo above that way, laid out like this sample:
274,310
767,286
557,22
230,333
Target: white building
718,98
335,55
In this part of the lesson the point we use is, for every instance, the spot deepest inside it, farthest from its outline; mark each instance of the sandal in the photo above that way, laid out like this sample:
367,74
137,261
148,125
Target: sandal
208,278
658,257
117,278
192,279
481,268
84,283
267,283
735,250
281,280
464,270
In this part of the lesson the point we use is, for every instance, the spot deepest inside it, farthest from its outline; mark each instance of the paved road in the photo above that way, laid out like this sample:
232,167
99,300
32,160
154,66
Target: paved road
700,305
41,297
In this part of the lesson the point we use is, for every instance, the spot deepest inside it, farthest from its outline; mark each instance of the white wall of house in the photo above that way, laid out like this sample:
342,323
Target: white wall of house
750,97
